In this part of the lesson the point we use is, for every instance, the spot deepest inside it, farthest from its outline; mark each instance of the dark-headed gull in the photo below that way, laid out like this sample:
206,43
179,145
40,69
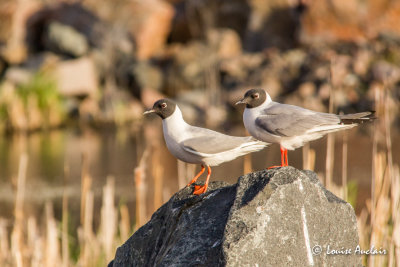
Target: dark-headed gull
291,126
199,145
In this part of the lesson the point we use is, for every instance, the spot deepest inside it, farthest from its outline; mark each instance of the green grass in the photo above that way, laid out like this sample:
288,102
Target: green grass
39,100
352,192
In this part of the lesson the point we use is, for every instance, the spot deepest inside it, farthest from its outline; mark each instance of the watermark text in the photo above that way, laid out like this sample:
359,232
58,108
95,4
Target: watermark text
330,250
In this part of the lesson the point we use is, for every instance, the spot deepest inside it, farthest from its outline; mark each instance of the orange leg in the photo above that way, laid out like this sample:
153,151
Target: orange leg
197,176
198,190
282,156
284,159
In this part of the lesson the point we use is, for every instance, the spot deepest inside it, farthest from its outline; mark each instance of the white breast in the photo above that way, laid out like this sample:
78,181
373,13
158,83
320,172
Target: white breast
175,131
249,120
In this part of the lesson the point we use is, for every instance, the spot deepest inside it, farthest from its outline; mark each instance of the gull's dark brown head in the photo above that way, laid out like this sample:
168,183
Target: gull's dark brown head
163,108
253,98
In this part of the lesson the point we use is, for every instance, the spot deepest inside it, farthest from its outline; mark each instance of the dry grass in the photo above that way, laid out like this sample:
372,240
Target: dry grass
378,223
32,244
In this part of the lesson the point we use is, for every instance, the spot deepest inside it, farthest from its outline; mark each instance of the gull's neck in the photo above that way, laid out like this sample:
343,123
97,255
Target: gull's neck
268,100
175,126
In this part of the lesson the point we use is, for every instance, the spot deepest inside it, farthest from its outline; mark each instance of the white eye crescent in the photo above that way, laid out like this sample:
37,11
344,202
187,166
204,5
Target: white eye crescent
255,96
163,105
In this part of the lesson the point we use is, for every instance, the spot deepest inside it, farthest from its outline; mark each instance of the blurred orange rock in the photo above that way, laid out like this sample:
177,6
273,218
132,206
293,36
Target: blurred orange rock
77,77
350,20
151,26
331,21
307,89
88,109
7,10
226,42
361,62
149,96
13,17
383,17
272,23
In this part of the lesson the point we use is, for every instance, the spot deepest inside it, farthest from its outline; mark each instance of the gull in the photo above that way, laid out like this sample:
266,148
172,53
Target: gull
199,145
291,126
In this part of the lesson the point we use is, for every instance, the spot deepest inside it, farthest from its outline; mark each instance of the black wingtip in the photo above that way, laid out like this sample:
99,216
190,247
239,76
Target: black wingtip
372,117
357,118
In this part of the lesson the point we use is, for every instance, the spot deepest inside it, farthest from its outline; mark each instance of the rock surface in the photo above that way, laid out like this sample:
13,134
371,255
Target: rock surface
77,77
272,217
65,39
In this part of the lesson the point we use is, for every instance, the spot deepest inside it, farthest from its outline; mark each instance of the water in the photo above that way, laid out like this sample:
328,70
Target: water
116,152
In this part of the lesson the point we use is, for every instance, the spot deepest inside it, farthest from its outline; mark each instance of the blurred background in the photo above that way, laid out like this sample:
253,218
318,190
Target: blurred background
81,169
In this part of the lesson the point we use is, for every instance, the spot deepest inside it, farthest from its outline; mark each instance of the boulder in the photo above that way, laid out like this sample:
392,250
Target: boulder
51,26
273,23
191,64
226,42
14,15
153,24
7,13
333,21
77,77
276,217
193,18
18,75
66,40
147,75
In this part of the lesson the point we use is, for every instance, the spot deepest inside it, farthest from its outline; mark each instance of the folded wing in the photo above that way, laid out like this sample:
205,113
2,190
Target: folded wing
214,144
287,120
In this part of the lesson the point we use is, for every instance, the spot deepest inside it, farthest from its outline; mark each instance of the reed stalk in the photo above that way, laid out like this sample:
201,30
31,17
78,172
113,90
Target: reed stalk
140,188
86,183
65,218
21,186
125,223
157,173
344,165
363,229
140,201
383,202
185,173
4,243
308,157
17,236
182,179
376,133
330,150
395,198
85,232
380,229
388,137
35,242
52,245
109,216
330,145
247,164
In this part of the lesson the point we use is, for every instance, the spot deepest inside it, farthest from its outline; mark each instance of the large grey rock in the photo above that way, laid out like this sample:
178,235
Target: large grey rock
65,39
77,77
277,217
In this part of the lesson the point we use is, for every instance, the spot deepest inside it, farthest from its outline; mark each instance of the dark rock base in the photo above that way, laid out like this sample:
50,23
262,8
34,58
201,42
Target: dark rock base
273,217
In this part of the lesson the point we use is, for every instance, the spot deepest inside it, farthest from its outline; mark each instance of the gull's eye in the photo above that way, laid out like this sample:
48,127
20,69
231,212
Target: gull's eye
163,105
255,96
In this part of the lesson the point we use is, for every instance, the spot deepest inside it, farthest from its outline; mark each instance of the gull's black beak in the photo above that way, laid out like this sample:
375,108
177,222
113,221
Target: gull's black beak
241,101
149,111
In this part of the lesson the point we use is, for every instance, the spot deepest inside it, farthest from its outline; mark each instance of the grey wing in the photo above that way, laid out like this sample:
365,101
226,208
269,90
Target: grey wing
288,120
211,142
